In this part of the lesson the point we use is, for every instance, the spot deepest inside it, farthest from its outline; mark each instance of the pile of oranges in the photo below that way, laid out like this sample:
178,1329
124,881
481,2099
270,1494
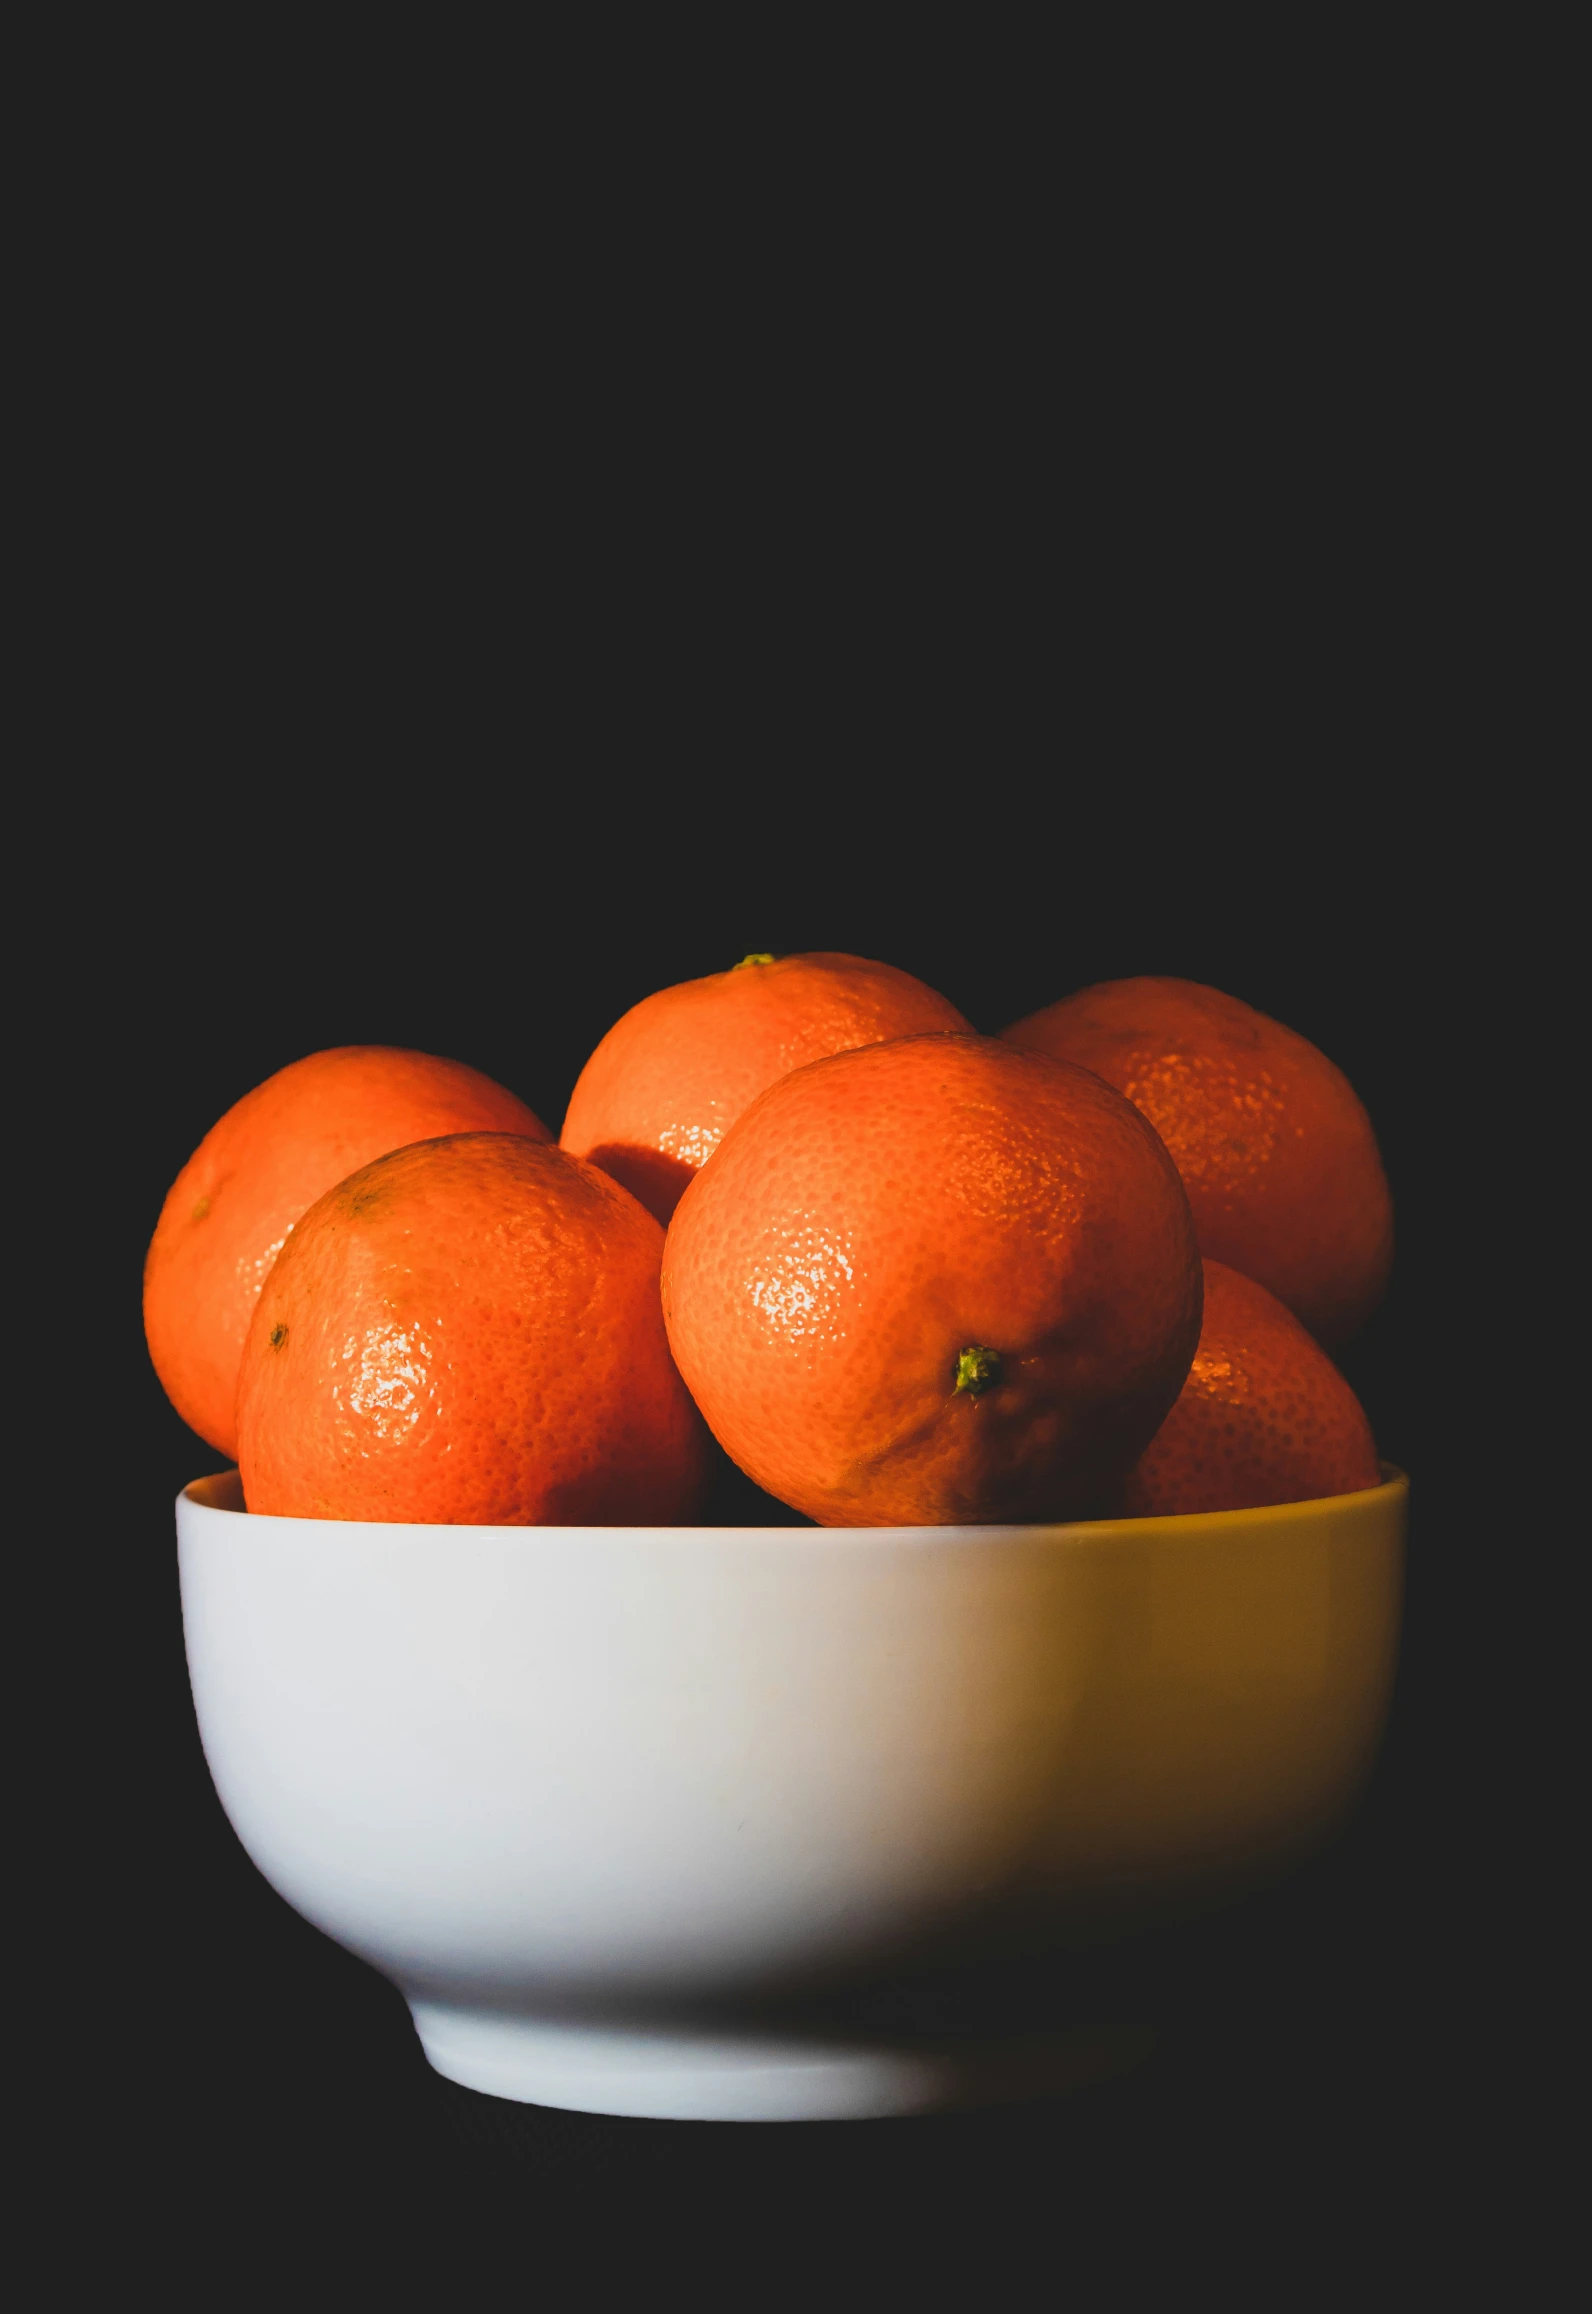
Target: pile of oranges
903,1273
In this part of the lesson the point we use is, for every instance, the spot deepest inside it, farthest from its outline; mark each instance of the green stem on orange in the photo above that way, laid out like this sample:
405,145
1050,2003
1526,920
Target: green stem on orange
978,1369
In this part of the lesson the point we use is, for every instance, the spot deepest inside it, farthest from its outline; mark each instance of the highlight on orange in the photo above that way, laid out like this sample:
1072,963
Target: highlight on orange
235,1203
672,1076
935,1281
1274,1146
469,1332
1264,1416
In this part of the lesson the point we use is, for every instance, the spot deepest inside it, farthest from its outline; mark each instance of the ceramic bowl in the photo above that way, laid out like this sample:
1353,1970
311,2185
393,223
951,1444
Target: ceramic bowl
616,1807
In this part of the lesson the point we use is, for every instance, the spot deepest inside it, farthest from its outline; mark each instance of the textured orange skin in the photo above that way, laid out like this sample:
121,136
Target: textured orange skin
468,1332
255,1172
1264,1417
1276,1152
669,1079
873,1215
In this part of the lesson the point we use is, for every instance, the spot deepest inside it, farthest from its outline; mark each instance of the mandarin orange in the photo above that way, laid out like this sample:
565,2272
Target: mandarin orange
235,1202
468,1331
1276,1152
933,1281
1264,1417
671,1077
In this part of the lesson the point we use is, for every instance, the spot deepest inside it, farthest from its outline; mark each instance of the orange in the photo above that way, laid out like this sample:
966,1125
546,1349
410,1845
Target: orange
469,1331
231,1207
1264,1417
1276,1152
669,1079
935,1281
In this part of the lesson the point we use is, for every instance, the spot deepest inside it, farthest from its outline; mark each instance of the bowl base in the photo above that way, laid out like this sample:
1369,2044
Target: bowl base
675,2073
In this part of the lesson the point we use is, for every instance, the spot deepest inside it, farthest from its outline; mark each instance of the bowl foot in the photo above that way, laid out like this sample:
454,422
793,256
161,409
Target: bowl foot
694,2073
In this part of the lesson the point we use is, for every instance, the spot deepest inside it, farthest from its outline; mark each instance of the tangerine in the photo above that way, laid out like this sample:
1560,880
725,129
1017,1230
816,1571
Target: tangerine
1275,1149
236,1201
935,1281
468,1332
671,1077
1264,1417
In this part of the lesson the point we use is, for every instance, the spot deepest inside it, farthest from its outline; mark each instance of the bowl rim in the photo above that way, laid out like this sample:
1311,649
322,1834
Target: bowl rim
1194,1525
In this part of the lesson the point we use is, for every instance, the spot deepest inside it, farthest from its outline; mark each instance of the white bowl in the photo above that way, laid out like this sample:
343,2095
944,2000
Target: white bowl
608,1804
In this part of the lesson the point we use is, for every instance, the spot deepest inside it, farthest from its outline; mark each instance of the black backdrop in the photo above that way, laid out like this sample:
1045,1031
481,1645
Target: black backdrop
442,653
1307,2077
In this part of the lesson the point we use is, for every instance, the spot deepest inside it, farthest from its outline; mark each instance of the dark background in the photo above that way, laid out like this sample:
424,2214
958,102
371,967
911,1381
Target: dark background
463,611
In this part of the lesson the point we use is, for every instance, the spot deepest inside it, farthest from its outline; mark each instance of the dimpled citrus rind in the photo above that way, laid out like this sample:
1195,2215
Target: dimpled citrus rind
873,1216
236,1201
670,1078
1275,1147
469,1332
1264,1416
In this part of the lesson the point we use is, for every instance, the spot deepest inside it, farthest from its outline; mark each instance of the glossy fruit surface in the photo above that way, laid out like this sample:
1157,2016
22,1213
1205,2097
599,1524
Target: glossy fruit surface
468,1331
1264,1417
671,1077
1275,1149
233,1205
932,1281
